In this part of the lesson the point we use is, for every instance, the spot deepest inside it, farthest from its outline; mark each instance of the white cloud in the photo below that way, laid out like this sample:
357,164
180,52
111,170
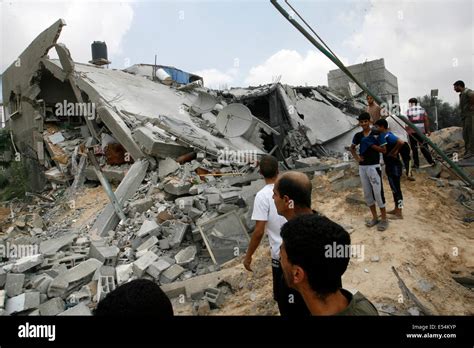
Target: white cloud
86,21
426,44
216,79
294,68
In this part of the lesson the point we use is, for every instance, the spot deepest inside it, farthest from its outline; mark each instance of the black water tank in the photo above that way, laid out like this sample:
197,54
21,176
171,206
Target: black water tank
99,50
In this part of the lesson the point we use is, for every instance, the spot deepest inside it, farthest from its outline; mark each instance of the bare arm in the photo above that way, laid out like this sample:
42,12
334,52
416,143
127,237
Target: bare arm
396,148
381,149
257,236
354,153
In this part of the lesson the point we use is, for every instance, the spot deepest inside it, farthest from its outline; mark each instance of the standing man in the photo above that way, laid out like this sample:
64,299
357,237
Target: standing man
312,265
374,109
292,197
418,116
466,104
267,220
393,165
370,147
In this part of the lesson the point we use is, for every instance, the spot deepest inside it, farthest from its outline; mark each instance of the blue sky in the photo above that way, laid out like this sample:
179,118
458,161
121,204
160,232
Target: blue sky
197,35
426,43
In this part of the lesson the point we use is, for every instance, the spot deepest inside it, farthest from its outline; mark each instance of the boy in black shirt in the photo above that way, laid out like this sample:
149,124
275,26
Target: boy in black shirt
369,170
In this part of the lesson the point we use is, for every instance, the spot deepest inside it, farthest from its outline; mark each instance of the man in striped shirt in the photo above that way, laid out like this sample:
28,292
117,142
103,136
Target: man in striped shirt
418,116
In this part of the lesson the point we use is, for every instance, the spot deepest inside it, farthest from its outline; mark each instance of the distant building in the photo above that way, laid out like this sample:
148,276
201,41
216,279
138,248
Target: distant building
373,74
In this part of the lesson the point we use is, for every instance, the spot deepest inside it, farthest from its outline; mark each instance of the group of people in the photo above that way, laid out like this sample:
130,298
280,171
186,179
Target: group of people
306,278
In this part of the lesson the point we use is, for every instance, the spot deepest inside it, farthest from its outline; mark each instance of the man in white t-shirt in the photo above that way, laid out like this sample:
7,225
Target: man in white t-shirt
266,219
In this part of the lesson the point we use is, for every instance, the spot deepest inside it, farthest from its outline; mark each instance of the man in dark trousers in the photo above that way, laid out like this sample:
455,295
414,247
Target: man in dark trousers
466,104
393,165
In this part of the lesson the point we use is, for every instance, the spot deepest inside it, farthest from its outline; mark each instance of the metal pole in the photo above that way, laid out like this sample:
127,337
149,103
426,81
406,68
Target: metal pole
341,66
436,113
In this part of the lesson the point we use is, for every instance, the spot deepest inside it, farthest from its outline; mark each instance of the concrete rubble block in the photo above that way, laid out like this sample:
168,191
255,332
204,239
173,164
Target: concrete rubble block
179,230
158,267
213,200
140,265
141,205
230,197
196,286
148,227
164,244
52,246
14,284
307,162
106,254
214,296
186,255
171,274
78,310
57,287
166,167
185,204
82,271
52,307
148,243
41,283
194,213
105,285
152,145
177,187
225,208
3,296
23,302
123,273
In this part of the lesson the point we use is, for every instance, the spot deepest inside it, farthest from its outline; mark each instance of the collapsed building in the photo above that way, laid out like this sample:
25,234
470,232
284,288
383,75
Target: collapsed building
183,157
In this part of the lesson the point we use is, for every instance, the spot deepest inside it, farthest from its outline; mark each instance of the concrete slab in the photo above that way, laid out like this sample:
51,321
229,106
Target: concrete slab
171,274
52,246
148,227
166,167
140,265
108,219
26,263
23,302
14,284
186,255
52,307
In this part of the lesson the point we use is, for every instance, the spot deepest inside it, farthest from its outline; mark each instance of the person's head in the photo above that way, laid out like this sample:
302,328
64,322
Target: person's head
292,191
269,167
459,86
140,297
413,101
381,125
308,260
370,99
364,120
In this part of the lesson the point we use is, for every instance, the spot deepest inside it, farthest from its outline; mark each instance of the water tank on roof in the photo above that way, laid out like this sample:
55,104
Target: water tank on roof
99,53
